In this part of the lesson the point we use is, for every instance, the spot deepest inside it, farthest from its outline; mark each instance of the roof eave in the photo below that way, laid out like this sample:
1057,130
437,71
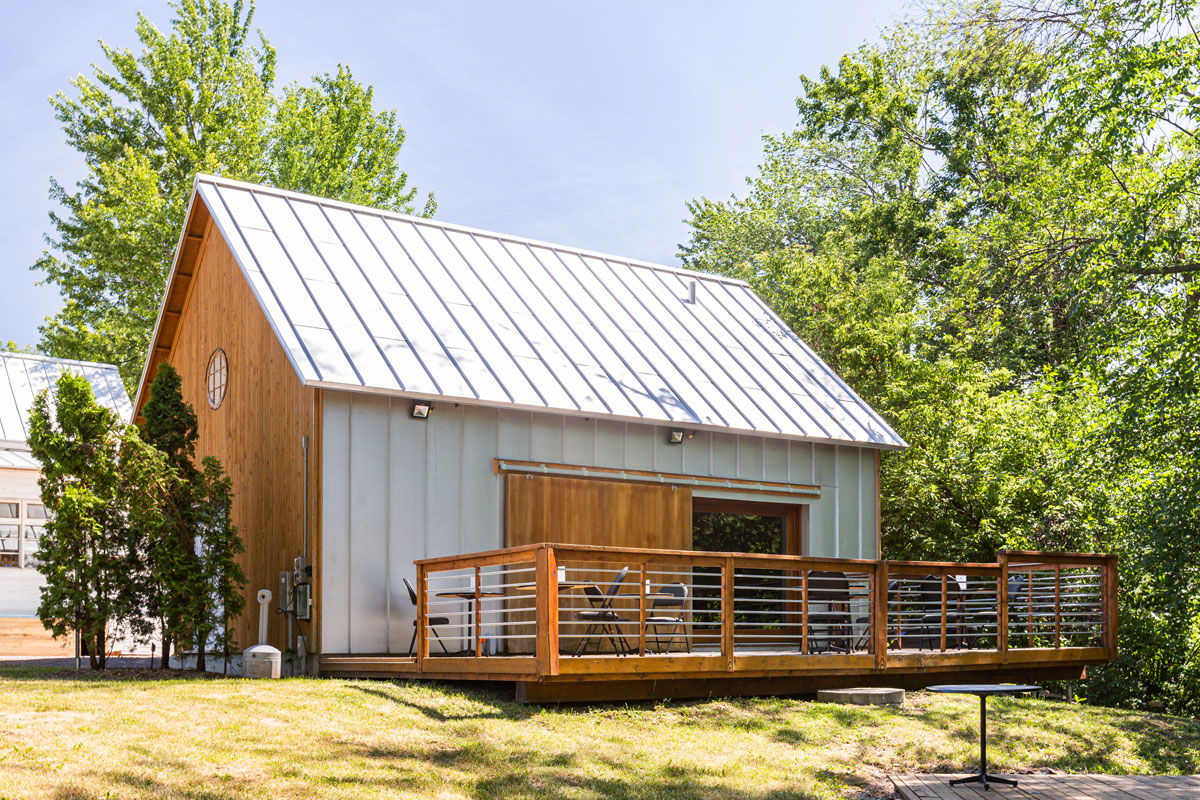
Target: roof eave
162,306
567,412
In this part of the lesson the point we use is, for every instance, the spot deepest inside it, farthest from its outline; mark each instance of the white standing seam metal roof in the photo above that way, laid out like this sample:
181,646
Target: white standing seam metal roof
23,375
371,300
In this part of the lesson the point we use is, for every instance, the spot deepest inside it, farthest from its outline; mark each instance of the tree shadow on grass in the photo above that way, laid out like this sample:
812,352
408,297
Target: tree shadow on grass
493,708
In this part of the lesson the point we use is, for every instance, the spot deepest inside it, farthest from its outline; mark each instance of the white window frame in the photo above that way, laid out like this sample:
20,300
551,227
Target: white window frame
23,520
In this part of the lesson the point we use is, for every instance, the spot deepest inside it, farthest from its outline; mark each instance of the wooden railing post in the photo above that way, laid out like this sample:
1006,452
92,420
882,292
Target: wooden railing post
1029,629
642,611
478,632
879,614
546,601
422,615
943,640
1058,605
1109,606
804,612
1002,607
727,612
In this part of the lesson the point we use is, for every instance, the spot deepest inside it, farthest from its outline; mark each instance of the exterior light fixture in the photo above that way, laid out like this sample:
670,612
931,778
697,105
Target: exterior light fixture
676,437
421,409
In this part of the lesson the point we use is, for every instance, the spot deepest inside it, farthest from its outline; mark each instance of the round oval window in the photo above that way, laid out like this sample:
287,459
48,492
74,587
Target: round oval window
218,377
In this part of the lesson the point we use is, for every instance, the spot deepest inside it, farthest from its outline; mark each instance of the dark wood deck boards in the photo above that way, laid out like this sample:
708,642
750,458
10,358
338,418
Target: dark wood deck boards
1053,787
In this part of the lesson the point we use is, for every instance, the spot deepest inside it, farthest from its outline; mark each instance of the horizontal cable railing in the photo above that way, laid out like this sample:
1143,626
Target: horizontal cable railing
545,603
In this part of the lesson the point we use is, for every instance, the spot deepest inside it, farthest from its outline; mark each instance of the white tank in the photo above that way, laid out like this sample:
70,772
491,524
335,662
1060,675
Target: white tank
262,660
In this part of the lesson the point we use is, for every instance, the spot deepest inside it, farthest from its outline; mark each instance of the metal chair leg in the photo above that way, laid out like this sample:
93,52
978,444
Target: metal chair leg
413,641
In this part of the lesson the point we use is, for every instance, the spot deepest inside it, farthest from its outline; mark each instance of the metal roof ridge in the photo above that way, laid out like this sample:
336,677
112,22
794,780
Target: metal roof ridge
55,360
382,212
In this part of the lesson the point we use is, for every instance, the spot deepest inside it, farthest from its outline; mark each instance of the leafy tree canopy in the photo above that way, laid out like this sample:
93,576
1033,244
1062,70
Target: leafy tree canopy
986,222
197,98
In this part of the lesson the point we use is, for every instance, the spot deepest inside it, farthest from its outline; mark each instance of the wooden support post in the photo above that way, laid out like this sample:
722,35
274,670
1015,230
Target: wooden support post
943,613
546,603
1029,630
804,611
727,613
1109,606
1002,608
422,615
879,615
642,612
478,632
1057,605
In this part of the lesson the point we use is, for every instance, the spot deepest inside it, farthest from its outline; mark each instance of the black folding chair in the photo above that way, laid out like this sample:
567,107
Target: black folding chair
603,621
431,621
832,590
678,599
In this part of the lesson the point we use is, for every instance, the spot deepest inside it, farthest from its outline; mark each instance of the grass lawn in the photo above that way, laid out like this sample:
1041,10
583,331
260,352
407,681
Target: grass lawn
98,737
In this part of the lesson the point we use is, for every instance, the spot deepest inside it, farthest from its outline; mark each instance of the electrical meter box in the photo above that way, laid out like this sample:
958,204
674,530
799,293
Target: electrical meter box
295,590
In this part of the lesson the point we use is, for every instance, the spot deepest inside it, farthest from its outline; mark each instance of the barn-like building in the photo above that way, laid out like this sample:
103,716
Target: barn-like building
385,389
22,515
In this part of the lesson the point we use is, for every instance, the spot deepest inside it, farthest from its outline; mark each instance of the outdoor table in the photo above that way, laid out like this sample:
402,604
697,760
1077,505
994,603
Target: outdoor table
469,596
983,691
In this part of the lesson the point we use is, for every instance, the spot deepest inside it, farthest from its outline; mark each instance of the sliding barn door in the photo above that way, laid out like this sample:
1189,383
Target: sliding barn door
606,513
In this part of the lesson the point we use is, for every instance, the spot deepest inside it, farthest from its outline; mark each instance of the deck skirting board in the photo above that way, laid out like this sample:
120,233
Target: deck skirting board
593,686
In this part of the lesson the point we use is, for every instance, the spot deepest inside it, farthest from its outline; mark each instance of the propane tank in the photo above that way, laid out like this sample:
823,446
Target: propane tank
262,660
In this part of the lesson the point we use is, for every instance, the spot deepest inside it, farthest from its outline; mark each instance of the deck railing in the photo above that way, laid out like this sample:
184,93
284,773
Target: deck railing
551,609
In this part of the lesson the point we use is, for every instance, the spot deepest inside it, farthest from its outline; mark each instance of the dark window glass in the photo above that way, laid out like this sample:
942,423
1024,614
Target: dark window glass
759,594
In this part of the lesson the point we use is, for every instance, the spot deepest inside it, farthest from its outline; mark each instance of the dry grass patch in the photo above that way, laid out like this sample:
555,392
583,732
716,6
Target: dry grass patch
203,739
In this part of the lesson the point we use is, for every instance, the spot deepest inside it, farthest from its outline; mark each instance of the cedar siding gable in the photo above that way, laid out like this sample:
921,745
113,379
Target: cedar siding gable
257,430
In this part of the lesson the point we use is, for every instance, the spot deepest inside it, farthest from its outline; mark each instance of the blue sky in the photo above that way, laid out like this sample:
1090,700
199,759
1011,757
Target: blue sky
585,124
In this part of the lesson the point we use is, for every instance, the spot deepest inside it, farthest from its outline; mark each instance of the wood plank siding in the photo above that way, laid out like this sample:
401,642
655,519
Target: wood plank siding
256,432
26,636
607,513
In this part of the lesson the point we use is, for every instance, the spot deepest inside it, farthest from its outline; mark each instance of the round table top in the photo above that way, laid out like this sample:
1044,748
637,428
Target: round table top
984,688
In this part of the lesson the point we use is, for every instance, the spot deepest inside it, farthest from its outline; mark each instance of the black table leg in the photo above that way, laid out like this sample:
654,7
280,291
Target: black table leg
983,776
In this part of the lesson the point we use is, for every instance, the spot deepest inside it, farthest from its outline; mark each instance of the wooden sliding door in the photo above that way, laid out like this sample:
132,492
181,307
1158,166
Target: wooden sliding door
597,512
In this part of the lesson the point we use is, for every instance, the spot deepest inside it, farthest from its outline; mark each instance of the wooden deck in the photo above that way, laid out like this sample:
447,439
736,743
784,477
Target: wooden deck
1053,787
572,622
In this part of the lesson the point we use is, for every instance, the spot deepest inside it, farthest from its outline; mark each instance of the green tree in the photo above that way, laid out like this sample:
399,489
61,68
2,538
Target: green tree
174,569
329,141
987,225
87,549
219,545
194,580
198,98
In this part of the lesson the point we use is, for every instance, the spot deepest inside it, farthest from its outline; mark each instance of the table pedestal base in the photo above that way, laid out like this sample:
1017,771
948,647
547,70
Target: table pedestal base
985,779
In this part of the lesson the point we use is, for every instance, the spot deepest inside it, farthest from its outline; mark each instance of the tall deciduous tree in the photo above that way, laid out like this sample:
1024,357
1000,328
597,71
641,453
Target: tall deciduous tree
198,98
989,227
329,141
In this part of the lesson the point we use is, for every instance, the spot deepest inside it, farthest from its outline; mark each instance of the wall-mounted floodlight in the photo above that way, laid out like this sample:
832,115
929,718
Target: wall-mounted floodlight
676,437
421,409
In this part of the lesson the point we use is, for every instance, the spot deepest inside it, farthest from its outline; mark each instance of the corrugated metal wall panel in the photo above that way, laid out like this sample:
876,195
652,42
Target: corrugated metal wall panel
369,511
397,489
336,544
848,502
